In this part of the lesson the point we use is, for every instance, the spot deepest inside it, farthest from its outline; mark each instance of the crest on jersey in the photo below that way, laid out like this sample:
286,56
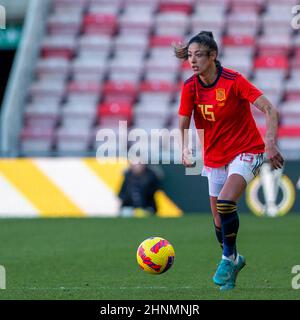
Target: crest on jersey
220,94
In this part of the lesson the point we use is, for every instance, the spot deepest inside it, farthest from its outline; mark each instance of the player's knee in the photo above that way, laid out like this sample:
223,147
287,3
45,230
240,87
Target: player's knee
227,196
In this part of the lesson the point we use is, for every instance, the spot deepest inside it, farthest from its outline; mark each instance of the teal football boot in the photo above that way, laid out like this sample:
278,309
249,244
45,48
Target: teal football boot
230,284
225,272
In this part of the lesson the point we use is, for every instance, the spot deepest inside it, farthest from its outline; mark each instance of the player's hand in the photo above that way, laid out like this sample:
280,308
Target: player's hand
187,160
274,156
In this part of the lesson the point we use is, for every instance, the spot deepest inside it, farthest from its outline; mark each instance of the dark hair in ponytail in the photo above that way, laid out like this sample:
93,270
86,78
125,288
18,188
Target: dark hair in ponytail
204,38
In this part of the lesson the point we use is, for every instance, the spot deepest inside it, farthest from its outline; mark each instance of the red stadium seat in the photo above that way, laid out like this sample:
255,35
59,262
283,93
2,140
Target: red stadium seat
164,41
59,46
271,68
99,23
238,41
177,6
271,62
285,131
119,92
157,87
109,114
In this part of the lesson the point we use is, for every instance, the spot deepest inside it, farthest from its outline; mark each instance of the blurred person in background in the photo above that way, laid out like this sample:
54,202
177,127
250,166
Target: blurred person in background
137,191
219,99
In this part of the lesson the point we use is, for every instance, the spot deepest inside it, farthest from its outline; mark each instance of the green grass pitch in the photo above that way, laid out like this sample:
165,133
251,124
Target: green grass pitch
95,258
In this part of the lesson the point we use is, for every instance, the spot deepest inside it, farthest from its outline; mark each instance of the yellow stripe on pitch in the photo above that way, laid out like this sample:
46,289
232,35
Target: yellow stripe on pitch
38,188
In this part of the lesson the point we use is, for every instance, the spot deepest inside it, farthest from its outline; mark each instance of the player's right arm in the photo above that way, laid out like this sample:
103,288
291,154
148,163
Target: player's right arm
184,125
185,111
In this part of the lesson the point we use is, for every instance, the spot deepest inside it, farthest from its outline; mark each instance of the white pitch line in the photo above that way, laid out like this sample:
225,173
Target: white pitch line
133,288
105,288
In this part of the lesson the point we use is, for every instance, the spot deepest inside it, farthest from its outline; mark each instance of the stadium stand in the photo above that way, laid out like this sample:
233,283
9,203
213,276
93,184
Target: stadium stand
102,61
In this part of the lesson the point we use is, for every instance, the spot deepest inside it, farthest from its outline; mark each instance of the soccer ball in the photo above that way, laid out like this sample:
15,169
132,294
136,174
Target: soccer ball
155,255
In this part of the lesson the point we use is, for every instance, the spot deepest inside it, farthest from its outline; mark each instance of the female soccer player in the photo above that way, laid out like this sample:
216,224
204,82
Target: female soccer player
219,99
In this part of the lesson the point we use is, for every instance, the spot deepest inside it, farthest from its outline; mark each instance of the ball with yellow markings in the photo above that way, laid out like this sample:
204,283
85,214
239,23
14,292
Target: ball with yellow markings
155,255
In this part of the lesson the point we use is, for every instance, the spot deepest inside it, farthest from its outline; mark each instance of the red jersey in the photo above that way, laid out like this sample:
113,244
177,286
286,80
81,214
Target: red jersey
223,110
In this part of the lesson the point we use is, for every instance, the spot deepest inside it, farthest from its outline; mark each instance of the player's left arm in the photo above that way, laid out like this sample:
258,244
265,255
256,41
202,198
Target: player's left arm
273,154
